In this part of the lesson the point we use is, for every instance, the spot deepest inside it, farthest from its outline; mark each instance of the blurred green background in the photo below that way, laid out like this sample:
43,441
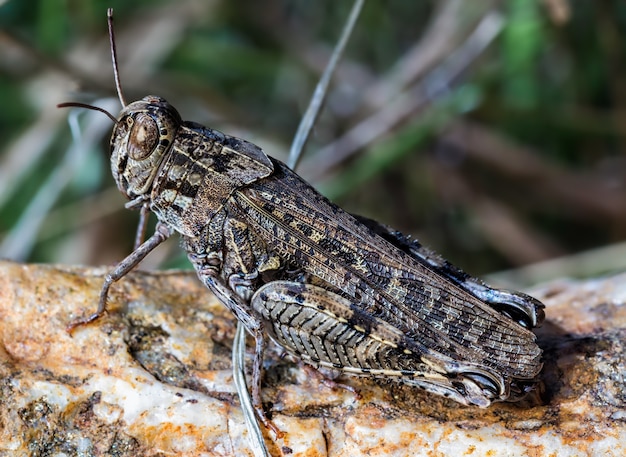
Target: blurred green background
492,131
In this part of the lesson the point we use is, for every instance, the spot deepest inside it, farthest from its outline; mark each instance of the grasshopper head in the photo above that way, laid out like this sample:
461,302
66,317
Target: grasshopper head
142,136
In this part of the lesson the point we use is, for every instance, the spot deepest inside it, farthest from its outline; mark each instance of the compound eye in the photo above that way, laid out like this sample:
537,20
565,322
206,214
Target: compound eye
144,136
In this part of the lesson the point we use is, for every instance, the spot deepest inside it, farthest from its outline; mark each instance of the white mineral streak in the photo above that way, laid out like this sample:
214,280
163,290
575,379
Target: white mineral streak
153,377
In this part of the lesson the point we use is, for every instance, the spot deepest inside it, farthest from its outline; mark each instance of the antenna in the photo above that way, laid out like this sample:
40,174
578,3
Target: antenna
86,106
116,73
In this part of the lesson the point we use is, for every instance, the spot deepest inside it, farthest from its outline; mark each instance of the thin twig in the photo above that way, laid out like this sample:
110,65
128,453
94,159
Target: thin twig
582,193
437,83
438,41
21,239
239,376
584,264
317,100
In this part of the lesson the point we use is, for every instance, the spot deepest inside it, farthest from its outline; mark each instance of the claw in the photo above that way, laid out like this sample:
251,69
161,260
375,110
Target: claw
490,386
260,411
527,311
84,321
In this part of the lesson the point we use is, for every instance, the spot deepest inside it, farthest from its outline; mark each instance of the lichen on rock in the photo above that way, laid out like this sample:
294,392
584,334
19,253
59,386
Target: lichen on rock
153,377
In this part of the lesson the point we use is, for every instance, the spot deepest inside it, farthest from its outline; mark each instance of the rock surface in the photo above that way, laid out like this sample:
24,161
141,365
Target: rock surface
153,378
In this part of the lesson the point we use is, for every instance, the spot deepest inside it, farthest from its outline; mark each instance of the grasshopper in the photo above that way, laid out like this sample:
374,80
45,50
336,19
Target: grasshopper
338,291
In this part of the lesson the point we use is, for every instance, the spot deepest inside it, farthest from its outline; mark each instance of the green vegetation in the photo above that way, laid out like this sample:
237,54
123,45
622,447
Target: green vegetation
494,134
